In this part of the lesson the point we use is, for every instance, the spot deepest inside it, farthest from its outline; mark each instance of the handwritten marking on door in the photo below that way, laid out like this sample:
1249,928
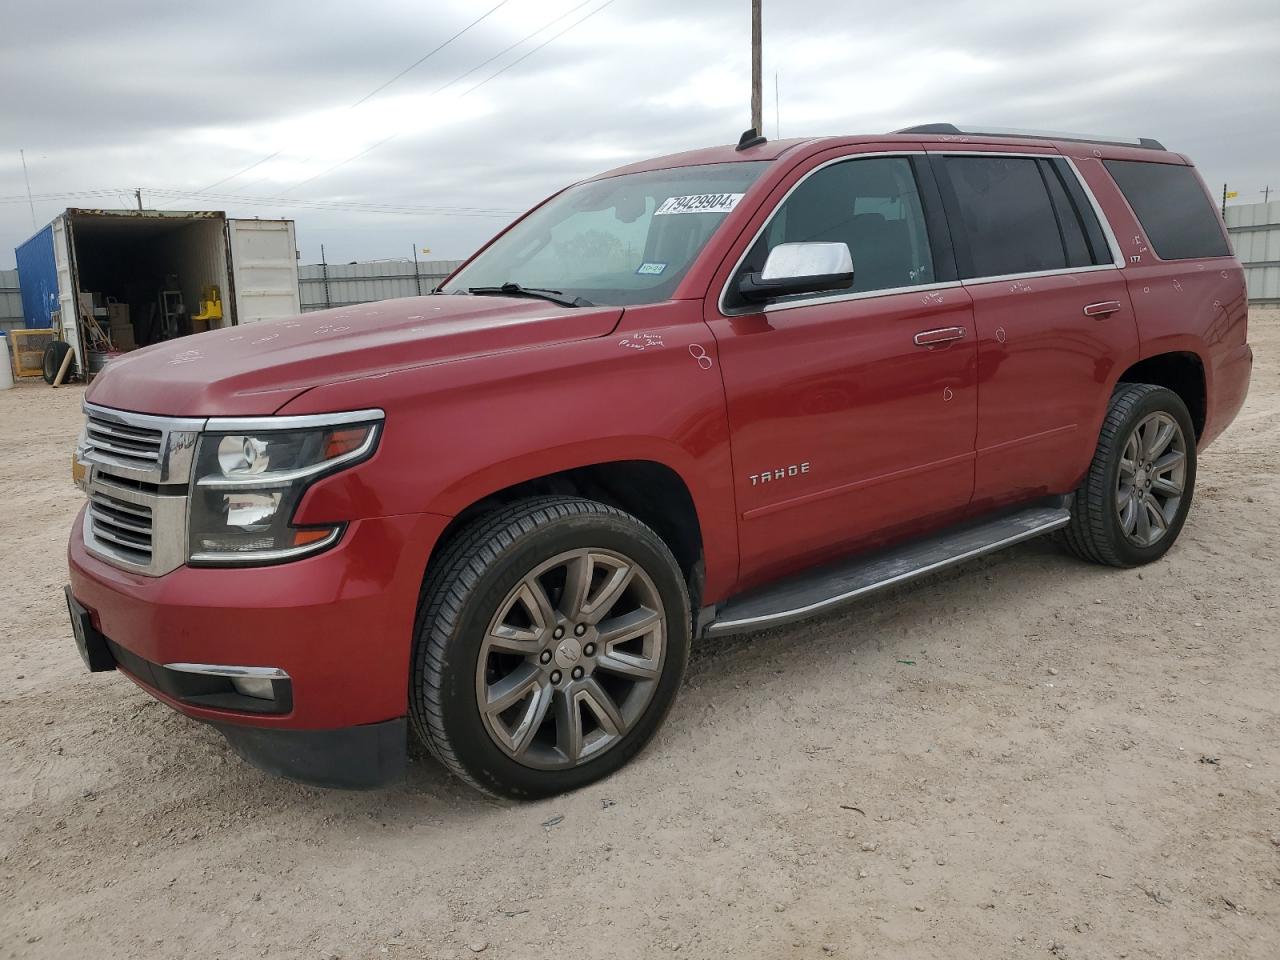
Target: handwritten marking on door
699,353
1001,336
641,341
947,394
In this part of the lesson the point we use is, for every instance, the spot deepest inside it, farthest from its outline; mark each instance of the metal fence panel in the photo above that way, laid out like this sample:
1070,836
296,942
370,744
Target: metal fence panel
1255,236
343,284
10,301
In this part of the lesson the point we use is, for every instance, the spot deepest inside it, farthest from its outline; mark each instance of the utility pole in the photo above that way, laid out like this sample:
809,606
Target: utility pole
1266,194
757,119
25,177
1224,201
417,277
138,193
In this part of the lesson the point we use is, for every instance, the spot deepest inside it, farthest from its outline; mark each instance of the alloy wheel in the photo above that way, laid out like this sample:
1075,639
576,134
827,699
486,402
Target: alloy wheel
571,659
1151,479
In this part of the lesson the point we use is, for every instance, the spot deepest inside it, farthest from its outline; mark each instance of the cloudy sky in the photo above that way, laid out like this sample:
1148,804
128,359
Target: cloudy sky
268,102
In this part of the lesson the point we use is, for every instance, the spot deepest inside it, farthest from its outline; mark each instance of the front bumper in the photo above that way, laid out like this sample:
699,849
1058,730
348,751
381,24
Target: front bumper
339,624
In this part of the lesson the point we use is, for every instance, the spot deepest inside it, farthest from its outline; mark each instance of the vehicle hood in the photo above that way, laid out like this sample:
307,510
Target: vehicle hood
255,369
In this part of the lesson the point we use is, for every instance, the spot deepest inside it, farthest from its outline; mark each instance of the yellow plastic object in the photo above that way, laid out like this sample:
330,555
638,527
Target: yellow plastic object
210,306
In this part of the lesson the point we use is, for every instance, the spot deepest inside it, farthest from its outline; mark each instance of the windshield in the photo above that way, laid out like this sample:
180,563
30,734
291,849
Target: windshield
620,241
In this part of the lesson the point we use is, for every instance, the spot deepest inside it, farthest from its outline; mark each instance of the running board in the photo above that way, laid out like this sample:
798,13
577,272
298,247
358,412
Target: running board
818,592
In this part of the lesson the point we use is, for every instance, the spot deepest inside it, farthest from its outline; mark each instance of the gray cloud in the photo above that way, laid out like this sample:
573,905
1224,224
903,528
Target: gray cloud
177,96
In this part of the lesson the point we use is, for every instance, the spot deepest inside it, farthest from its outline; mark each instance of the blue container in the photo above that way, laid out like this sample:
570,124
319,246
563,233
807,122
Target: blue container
38,278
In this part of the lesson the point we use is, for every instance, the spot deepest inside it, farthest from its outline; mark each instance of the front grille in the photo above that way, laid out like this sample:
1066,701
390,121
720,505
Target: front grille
137,469
124,525
137,445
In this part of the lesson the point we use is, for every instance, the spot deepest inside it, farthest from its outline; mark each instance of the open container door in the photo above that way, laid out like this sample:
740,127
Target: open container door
264,269
64,262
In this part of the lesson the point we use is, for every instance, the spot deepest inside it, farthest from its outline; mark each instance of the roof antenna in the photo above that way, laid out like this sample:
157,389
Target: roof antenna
750,138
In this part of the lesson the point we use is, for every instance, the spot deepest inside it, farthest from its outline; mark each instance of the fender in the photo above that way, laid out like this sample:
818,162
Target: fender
459,432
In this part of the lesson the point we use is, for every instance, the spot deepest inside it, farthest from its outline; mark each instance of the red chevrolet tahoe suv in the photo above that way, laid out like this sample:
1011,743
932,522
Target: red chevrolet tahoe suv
712,392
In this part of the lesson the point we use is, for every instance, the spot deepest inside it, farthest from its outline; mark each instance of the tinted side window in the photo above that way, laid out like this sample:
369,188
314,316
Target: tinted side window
1172,207
1070,228
873,205
1007,215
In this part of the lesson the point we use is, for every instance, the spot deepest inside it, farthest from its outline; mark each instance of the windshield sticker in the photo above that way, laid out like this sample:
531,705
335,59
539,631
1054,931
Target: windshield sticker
701,203
650,269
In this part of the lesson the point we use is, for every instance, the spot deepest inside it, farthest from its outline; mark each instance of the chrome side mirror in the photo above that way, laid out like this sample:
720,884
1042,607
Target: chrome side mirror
793,268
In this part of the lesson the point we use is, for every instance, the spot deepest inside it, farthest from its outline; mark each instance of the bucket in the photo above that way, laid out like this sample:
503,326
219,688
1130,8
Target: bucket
98,360
6,368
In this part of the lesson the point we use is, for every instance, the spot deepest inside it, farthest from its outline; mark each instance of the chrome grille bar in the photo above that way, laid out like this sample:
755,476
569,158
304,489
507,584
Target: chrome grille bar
138,469
123,441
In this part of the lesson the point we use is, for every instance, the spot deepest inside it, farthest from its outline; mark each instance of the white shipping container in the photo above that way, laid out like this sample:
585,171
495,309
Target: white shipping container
132,256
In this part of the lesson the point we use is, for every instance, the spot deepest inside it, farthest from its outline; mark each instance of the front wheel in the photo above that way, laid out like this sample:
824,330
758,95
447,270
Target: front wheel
551,640
1134,500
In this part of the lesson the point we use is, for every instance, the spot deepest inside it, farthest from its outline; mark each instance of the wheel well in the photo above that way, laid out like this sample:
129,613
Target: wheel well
1183,373
651,492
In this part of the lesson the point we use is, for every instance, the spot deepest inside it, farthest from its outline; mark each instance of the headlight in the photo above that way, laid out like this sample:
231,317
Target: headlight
249,483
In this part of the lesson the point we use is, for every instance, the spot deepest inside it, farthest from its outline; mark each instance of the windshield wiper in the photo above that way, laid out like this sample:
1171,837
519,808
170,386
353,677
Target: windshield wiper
542,293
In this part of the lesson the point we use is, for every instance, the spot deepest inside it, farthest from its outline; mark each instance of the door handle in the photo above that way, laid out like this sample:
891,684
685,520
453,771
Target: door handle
929,338
1104,309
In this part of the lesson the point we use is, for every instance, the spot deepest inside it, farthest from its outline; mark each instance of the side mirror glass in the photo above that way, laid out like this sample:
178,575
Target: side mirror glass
793,268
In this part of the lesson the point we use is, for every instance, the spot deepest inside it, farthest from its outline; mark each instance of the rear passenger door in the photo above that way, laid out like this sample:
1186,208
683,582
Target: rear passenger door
1051,312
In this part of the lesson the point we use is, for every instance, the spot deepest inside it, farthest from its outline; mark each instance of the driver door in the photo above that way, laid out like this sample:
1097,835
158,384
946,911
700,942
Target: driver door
852,413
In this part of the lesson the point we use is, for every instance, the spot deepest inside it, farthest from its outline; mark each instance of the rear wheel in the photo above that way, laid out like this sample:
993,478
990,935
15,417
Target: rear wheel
552,638
1134,500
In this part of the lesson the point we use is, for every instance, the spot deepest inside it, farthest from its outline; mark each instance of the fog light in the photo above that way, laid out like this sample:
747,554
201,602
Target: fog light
257,687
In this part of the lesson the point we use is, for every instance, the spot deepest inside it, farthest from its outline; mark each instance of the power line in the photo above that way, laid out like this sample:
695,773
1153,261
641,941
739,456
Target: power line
427,56
505,50
462,76
125,197
372,93
387,139
27,177
349,206
258,163
540,46
71,195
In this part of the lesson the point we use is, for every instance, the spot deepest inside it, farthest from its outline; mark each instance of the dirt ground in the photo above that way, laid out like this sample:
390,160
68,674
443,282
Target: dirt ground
1025,757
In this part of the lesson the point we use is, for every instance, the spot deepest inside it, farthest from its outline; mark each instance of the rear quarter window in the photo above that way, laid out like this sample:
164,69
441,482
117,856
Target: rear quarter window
1172,207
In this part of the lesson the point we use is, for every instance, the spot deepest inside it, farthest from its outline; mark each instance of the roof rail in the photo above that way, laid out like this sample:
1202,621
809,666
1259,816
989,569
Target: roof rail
950,129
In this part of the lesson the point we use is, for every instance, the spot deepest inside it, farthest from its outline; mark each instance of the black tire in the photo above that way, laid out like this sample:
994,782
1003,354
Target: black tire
1095,532
462,593
54,354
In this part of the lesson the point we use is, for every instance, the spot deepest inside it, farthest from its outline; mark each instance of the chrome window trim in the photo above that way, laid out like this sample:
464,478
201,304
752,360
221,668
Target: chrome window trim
978,281
1113,245
861,295
302,422
1113,242
217,670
